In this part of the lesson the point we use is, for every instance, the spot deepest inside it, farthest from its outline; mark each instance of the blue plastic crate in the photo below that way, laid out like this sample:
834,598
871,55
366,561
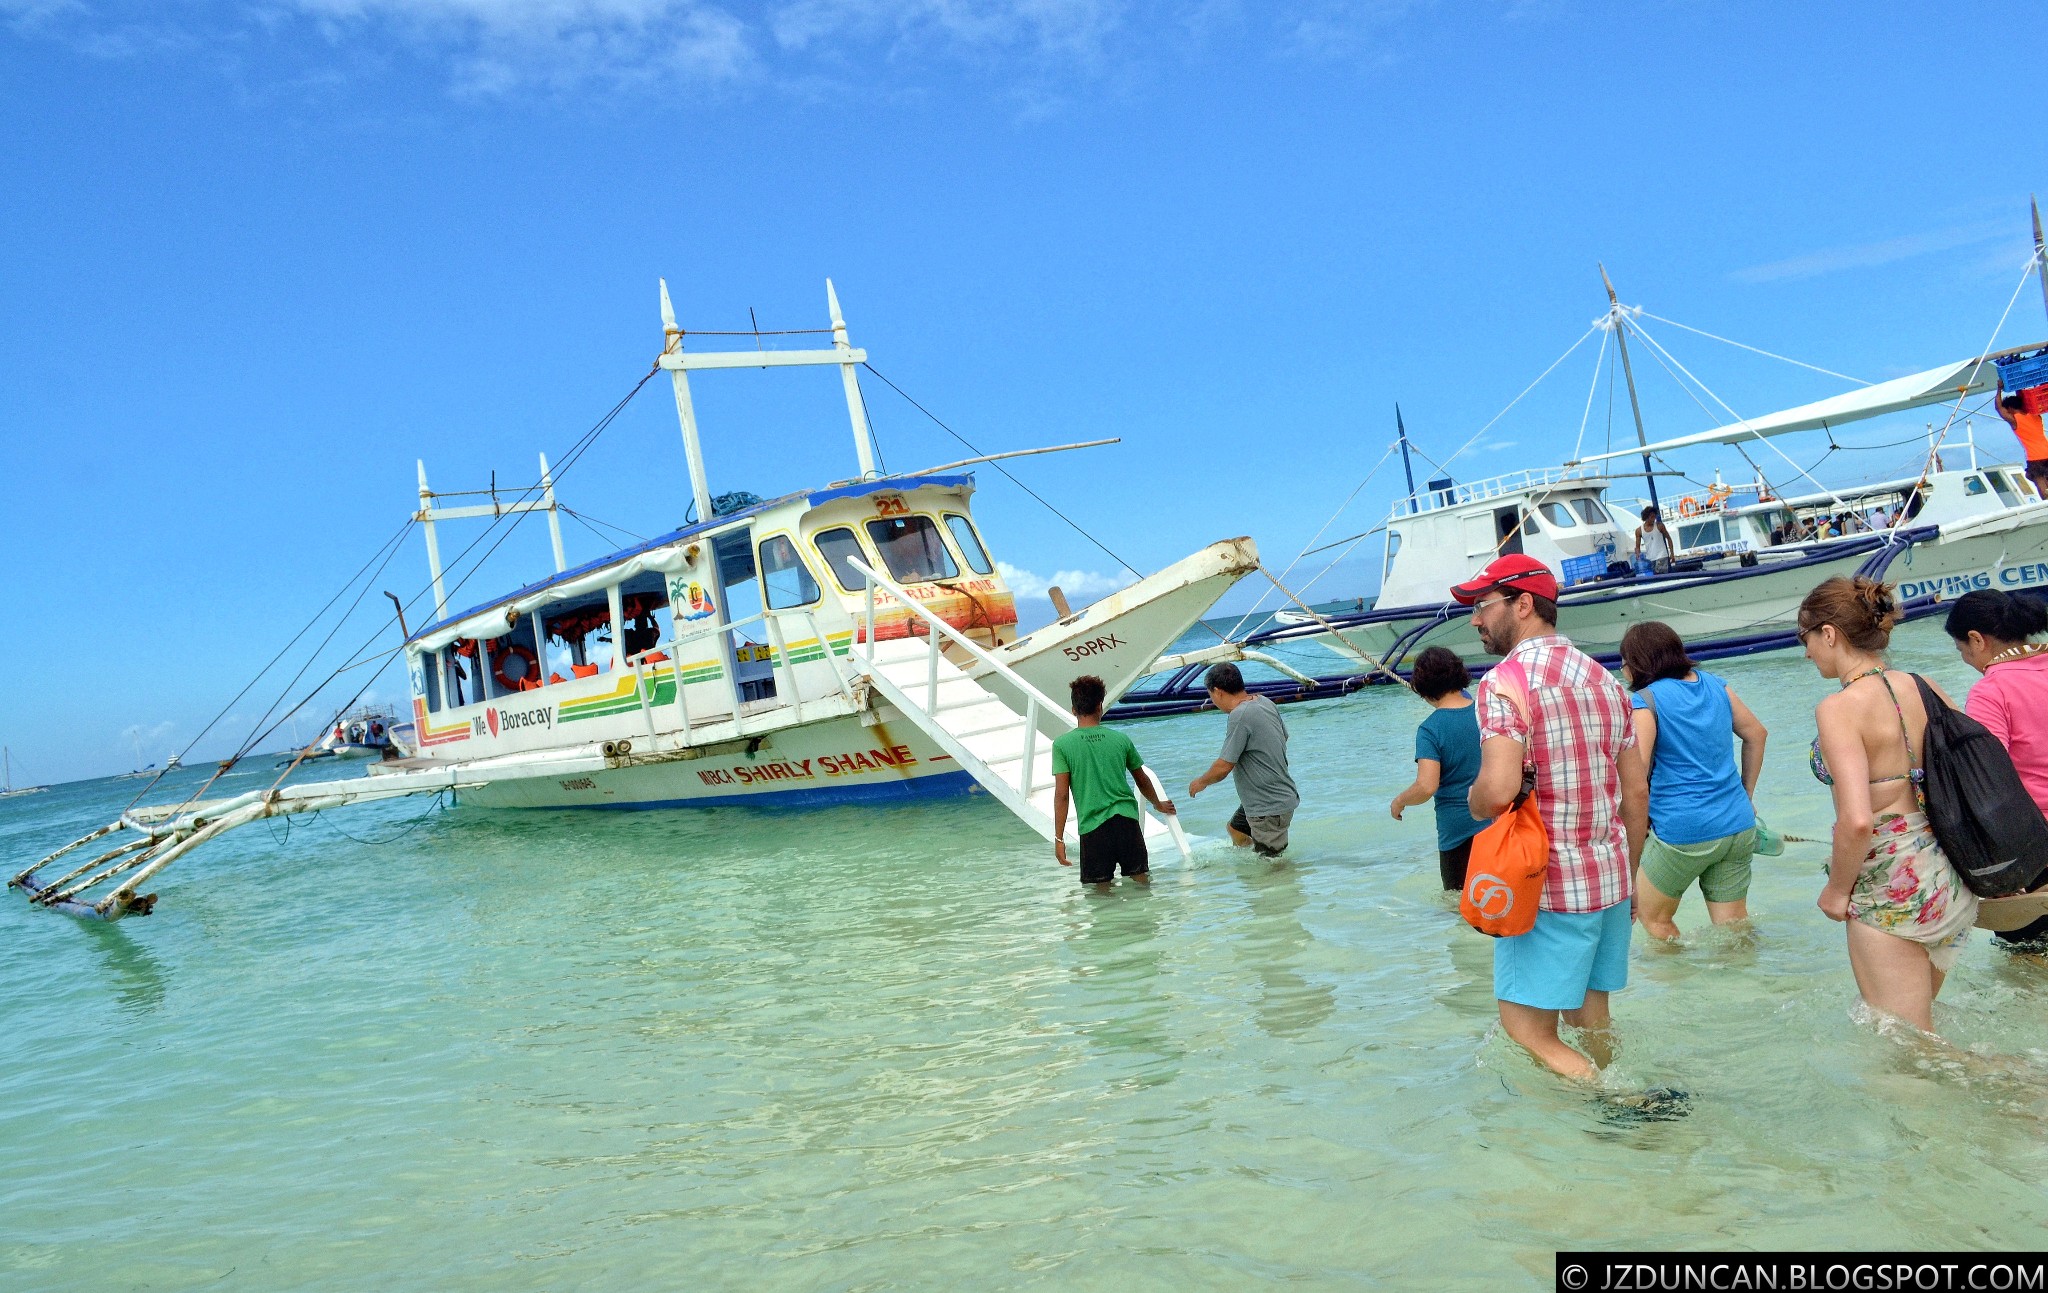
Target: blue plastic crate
2023,372
1578,570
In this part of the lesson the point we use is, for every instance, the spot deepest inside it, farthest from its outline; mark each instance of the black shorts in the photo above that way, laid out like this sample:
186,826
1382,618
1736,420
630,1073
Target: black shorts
1118,842
1451,863
2037,470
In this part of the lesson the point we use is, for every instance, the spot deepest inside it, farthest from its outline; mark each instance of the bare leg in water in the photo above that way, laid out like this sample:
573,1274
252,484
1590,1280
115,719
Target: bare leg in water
1535,1031
1894,975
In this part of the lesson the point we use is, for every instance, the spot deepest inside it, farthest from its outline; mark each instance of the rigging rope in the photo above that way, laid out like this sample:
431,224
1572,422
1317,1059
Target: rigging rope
1592,390
2033,261
509,521
392,543
1752,349
1654,346
1307,547
1525,390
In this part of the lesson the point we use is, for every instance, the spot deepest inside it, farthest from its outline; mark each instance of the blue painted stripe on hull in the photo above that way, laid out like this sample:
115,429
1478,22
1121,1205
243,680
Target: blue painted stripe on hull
943,785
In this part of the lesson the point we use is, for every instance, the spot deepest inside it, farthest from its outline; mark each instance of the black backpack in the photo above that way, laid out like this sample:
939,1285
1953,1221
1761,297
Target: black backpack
1982,816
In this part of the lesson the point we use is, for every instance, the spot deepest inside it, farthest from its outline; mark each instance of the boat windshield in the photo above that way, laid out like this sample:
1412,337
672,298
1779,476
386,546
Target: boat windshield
912,549
841,548
970,543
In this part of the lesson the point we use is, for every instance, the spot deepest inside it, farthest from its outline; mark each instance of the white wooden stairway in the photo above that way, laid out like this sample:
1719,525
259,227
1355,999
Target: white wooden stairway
999,747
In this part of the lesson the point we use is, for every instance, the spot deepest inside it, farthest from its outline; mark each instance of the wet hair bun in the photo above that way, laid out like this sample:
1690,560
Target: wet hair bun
1862,610
1877,602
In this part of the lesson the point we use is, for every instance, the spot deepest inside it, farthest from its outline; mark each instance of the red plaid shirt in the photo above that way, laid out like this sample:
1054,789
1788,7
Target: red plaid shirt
1582,726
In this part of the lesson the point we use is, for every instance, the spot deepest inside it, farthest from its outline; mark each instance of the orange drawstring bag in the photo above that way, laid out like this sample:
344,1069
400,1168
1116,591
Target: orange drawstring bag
1504,878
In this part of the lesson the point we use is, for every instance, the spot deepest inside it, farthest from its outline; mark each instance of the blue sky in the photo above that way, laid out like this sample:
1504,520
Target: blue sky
263,256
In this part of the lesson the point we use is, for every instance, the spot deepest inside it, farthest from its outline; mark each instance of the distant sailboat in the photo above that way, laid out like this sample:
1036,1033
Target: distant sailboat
7,787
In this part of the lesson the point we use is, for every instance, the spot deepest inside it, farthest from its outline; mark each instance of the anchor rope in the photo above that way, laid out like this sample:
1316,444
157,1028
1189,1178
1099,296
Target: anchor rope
438,804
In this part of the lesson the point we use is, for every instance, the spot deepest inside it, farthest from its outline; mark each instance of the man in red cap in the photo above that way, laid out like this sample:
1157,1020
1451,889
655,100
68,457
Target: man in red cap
1572,727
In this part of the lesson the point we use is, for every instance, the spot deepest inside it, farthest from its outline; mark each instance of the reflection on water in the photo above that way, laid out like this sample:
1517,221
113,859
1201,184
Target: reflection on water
132,976
1274,944
901,1046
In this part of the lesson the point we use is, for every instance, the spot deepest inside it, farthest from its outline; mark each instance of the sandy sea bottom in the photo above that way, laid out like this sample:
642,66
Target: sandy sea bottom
864,1048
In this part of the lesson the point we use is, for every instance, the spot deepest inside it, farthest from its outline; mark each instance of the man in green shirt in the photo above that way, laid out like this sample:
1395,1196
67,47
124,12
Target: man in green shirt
1094,765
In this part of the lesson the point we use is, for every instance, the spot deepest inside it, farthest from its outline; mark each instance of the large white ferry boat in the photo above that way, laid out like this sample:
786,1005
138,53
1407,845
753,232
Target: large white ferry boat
854,642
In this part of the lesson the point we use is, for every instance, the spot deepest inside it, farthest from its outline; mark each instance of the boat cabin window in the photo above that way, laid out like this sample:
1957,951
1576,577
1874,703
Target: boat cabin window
579,638
1558,514
645,618
1699,534
1973,485
841,548
969,543
2003,490
786,577
912,549
426,679
1591,511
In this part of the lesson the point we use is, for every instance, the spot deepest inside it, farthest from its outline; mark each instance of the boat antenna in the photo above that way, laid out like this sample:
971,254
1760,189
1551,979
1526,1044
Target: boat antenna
1619,318
1406,467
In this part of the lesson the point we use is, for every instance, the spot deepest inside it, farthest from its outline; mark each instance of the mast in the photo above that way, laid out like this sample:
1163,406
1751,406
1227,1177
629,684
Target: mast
686,412
856,409
1614,312
1407,469
2040,251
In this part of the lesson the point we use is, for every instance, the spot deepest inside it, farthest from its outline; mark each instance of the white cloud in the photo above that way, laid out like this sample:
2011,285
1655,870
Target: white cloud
1040,54
1080,586
1867,255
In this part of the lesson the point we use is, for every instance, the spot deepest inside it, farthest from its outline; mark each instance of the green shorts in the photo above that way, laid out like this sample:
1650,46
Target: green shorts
1721,866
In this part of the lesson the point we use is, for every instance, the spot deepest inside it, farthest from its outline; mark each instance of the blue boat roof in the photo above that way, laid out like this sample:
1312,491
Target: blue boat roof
812,498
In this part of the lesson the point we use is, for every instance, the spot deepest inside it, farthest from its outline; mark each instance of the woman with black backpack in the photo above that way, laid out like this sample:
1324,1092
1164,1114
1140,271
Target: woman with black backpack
1907,910
1991,631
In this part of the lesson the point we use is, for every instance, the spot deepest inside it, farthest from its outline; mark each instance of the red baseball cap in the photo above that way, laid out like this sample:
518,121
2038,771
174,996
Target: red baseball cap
1517,570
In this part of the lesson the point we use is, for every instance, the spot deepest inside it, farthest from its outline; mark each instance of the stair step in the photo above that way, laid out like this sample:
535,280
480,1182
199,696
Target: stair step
1002,720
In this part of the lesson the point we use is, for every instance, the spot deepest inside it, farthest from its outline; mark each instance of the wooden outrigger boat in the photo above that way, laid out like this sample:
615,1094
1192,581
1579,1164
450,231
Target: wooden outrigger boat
851,643
1745,558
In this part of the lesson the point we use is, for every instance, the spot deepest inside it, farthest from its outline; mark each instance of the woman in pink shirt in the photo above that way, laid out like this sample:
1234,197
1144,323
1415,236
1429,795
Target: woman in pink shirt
1991,629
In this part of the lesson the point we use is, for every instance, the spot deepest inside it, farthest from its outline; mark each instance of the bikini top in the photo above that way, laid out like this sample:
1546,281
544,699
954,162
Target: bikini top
1912,774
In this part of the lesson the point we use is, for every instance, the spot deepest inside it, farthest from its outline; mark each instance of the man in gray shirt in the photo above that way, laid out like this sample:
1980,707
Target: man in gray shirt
1255,757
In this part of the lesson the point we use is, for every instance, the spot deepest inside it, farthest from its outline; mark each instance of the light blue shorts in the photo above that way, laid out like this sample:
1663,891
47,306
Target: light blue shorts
1566,955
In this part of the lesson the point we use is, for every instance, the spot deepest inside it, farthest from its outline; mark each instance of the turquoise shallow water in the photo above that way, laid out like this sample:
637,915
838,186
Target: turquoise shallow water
900,1047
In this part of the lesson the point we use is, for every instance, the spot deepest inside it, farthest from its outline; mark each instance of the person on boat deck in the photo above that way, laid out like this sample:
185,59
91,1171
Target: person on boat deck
1446,759
1653,541
1992,631
1567,718
1094,766
1255,758
1907,912
2033,440
1702,818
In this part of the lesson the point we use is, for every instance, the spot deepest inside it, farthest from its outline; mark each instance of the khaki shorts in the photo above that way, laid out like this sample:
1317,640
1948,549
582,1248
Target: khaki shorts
1269,834
1721,866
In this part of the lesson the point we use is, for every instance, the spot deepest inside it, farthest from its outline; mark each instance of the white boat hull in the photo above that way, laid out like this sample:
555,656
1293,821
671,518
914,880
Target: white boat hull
2009,551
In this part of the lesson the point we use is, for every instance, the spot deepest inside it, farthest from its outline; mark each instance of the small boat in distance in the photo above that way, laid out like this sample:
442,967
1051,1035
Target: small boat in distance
7,787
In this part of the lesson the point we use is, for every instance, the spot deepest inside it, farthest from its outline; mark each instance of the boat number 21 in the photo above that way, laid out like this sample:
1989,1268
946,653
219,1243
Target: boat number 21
891,505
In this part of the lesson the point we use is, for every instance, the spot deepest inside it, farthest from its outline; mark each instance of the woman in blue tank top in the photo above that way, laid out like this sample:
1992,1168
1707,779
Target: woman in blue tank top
1702,821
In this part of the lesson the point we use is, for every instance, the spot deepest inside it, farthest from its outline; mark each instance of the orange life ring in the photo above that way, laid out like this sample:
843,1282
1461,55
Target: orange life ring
529,674
1688,506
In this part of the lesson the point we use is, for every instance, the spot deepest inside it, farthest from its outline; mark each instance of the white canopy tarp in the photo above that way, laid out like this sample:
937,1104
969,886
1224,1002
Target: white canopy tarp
1935,386
491,621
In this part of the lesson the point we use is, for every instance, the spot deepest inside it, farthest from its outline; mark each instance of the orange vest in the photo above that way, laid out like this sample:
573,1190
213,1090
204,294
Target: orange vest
2027,426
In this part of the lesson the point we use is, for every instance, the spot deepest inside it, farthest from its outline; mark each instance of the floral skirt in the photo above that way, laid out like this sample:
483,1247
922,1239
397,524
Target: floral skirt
1907,887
